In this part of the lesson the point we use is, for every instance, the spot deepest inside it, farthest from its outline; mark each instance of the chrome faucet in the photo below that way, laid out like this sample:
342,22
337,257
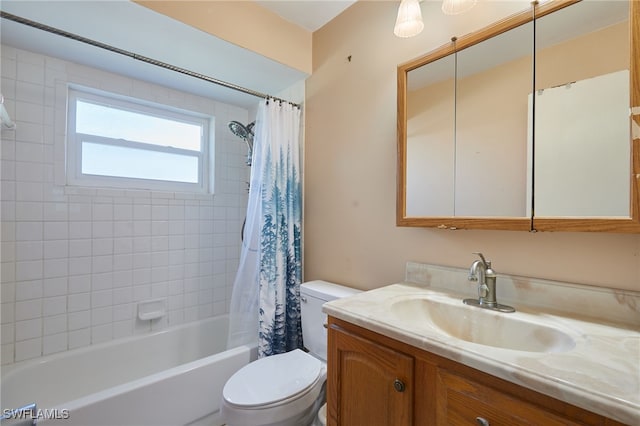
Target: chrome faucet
481,272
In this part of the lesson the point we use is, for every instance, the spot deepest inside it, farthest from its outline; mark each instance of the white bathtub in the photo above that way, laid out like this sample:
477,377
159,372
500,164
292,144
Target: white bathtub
172,377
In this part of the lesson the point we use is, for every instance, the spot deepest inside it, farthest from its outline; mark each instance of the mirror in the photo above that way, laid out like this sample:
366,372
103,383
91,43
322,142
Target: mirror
479,148
431,138
581,109
493,82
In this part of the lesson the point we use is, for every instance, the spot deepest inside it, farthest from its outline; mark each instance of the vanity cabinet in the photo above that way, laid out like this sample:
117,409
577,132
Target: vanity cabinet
374,380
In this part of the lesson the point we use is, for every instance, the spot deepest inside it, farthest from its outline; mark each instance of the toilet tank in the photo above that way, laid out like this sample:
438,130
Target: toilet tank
313,295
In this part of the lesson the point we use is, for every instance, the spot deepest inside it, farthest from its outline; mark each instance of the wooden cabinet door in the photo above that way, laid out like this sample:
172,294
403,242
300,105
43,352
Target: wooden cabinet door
368,384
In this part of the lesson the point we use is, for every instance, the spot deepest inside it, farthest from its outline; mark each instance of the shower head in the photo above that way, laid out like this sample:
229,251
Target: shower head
245,133
241,131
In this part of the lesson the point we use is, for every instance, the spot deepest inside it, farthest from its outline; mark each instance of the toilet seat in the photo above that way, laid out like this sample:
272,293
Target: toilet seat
272,380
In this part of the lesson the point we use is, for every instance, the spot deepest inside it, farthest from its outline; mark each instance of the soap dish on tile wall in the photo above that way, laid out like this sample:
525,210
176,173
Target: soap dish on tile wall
151,309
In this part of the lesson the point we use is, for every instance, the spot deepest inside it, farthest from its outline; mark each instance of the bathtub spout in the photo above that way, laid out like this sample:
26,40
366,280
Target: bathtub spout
19,413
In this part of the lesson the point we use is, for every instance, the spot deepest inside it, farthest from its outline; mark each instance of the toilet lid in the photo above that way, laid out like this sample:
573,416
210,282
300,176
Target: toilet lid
272,379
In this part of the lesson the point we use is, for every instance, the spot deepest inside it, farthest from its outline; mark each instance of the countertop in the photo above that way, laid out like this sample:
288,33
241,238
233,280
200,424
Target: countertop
601,373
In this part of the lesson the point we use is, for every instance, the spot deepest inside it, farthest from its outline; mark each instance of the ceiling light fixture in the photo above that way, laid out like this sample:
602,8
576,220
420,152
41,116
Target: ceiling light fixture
455,7
409,22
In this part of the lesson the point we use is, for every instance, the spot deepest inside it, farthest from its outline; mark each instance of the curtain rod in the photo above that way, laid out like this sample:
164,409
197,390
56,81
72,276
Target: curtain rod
141,58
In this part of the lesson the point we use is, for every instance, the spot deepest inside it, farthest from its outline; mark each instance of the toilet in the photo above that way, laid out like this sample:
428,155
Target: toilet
286,389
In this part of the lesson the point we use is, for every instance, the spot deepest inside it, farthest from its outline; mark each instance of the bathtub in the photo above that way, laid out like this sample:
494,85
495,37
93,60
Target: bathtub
172,377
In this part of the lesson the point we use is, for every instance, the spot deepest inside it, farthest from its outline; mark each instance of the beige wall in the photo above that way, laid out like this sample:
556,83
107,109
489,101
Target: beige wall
350,168
245,24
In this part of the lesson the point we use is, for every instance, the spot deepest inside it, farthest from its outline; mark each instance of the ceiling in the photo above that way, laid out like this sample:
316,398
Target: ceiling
308,14
134,28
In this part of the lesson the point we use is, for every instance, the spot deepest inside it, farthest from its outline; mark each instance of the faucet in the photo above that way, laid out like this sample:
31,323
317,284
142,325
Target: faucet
481,272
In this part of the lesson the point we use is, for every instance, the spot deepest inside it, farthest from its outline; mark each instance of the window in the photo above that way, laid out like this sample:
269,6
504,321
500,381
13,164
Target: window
123,143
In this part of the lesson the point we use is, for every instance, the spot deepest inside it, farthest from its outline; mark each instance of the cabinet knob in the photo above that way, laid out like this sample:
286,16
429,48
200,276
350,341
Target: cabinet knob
482,421
398,385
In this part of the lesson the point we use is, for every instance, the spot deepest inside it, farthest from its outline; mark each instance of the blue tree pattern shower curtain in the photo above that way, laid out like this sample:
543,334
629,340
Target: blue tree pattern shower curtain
265,303
280,238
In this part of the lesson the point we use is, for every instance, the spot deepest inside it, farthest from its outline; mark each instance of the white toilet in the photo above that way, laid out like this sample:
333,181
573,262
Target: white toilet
286,389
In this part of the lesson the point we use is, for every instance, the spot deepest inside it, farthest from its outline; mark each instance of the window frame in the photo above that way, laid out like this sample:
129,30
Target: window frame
75,140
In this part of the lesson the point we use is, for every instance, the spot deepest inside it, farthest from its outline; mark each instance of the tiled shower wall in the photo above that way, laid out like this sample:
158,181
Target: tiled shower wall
75,261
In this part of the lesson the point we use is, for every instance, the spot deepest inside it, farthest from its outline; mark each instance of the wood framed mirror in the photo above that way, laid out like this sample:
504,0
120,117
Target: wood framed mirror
468,150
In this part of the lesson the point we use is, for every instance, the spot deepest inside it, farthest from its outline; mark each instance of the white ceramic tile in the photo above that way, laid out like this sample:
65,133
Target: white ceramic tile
122,329
159,212
101,281
6,354
55,324
26,290
123,245
102,246
7,189
28,309
102,315
79,284
79,265
123,212
79,338
29,270
8,210
102,333
159,227
141,292
80,230
123,228
122,295
123,312
142,212
102,229
55,286
79,211
55,211
176,227
102,264
159,259
56,231
141,276
100,299
54,343
141,228
29,72
29,231
79,248
28,250
54,305
29,211
55,249
122,278
29,191
7,311
7,332
159,289
102,212
56,268
176,272
28,349
78,302
160,243
122,262
28,329
141,244
29,153
79,320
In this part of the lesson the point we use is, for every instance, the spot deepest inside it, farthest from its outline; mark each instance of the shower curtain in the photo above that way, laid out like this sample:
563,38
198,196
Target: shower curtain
265,303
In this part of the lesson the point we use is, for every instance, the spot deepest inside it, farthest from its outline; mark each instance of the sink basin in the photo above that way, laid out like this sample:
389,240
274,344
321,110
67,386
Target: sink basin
451,317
